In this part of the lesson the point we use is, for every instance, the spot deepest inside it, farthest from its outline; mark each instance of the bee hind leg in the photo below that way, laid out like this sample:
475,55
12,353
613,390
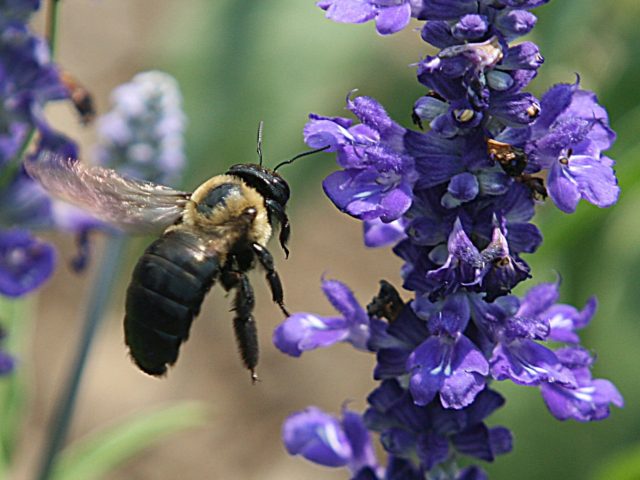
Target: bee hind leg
266,260
244,325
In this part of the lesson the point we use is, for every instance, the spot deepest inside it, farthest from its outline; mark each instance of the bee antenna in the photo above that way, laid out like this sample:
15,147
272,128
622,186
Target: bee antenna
300,155
259,149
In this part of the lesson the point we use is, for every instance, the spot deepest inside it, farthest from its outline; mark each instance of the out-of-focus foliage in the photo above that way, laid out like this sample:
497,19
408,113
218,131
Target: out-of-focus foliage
92,457
276,61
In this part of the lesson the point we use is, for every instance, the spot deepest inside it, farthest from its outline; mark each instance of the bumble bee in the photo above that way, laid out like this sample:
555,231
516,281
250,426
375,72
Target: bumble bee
214,234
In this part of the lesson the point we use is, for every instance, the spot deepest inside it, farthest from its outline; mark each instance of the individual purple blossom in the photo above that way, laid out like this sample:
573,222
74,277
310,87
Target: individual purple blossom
380,234
378,174
447,362
25,262
589,399
390,16
449,365
568,140
323,439
7,363
564,320
306,331
492,270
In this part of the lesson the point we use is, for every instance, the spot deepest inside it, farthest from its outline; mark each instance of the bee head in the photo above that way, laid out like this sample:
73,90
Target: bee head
267,182
273,188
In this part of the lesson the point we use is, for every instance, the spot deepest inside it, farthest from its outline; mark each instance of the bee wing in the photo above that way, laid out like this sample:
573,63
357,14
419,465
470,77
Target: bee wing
135,206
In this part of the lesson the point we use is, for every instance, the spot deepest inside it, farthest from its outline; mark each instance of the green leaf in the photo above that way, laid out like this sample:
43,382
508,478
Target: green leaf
95,455
623,466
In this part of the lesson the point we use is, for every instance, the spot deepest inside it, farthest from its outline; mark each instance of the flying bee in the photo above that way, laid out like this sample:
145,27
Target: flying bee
216,233
80,97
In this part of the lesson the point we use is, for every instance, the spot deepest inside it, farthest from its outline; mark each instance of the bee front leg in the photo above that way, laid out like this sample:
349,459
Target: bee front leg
266,260
244,325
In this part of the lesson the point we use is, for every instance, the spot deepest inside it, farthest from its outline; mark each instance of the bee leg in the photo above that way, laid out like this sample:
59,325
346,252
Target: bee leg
266,260
244,325
276,210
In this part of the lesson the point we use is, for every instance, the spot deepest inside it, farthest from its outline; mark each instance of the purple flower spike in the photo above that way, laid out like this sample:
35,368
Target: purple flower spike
588,400
457,199
25,262
307,331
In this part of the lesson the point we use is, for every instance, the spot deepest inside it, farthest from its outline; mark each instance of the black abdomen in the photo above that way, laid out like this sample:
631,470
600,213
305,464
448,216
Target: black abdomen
167,287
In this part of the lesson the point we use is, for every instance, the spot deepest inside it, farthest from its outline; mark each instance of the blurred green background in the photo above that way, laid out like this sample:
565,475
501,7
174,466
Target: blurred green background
241,61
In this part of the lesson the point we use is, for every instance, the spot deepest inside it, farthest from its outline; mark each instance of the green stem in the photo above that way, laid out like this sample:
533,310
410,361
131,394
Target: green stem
15,315
98,302
52,25
12,167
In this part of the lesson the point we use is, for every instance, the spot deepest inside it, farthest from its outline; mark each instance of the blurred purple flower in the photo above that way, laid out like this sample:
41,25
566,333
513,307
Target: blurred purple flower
142,136
25,262
323,439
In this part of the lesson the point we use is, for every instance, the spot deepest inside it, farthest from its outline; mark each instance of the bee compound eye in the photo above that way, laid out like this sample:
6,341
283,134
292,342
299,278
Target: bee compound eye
250,212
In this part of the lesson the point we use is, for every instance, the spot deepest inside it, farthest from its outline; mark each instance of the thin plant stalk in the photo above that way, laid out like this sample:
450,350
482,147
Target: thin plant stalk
98,303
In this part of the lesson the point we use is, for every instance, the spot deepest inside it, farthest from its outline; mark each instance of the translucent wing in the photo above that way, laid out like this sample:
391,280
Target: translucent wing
135,206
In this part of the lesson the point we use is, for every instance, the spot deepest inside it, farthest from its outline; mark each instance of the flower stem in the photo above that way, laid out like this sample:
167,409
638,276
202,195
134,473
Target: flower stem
15,315
52,25
98,301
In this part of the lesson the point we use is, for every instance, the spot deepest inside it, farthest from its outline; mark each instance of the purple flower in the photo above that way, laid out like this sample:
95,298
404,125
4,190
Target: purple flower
568,139
564,320
586,401
14,11
378,175
7,363
307,331
447,362
28,80
323,439
142,136
429,433
25,262
457,202
452,366
493,270
390,16
380,234
526,362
